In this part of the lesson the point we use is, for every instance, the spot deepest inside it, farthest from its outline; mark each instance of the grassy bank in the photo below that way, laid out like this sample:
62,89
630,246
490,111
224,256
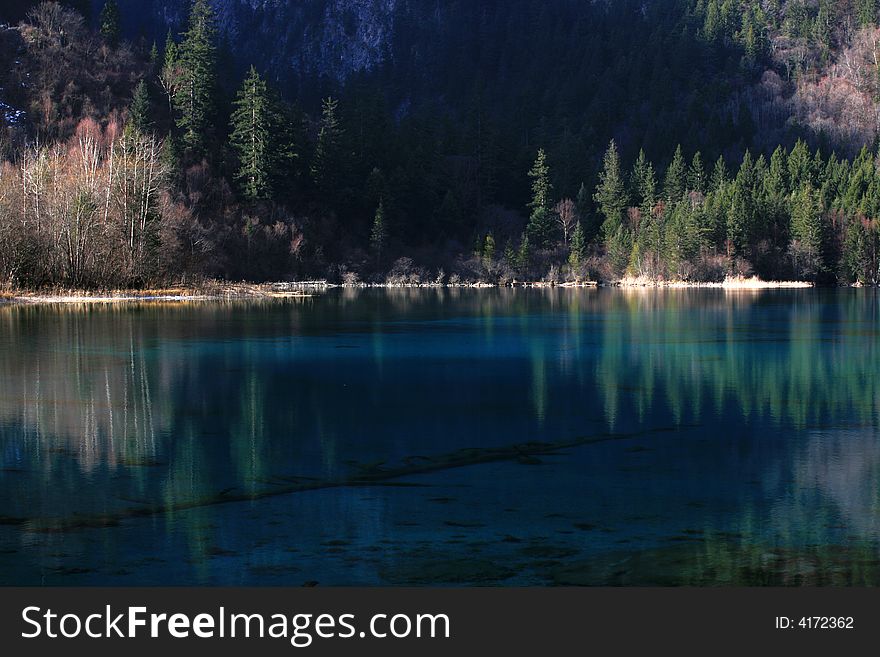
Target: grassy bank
218,290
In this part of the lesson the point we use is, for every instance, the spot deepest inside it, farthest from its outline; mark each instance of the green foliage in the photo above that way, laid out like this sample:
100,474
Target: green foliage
583,204
196,97
611,193
523,261
619,247
258,138
682,240
140,112
379,233
799,166
675,182
109,22
866,12
328,162
742,213
720,176
489,248
644,184
540,228
578,254
696,180
806,231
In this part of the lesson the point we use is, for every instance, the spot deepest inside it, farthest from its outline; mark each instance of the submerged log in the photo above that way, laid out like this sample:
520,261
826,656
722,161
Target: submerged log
377,474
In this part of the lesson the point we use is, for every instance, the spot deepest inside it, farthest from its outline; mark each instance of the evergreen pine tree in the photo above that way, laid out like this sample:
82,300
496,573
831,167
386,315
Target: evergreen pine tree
489,250
697,174
854,250
578,254
741,215
139,113
540,228
524,255
644,184
327,160
799,167
611,193
109,21
806,231
195,100
866,12
379,233
253,124
720,176
675,182
591,226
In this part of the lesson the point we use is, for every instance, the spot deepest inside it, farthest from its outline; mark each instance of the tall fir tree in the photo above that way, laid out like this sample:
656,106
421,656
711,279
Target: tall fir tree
611,193
742,211
195,100
253,123
110,23
379,234
806,231
644,184
720,176
140,111
866,12
675,182
578,253
540,228
696,180
327,160
799,166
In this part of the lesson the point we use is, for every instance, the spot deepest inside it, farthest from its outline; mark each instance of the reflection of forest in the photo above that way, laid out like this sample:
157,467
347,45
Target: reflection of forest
844,468
135,385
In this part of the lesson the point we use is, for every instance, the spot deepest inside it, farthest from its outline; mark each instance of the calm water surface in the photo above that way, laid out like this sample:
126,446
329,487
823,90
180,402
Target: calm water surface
444,437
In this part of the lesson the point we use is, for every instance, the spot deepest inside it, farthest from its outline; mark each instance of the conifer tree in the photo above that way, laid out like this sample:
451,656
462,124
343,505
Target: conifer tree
109,21
799,166
806,231
720,177
379,233
327,160
775,197
611,193
854,250
170,77
697,174
195,100
741,215
139,113
524,255
590,225
578,253
866,12
675,182
253,124
644,184
489,250
540,228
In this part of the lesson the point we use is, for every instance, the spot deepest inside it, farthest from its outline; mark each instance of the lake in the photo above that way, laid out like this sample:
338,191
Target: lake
444,437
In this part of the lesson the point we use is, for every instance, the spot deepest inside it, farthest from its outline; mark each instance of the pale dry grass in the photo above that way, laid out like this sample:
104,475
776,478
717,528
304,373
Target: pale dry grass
205,292
730,283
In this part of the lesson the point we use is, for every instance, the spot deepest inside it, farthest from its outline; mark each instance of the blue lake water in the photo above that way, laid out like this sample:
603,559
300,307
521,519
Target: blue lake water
444,437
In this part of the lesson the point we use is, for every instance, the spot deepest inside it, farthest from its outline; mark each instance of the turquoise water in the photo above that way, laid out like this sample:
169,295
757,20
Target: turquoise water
444,437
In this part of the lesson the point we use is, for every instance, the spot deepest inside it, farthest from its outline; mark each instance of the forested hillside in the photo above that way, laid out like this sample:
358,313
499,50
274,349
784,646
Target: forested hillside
410,140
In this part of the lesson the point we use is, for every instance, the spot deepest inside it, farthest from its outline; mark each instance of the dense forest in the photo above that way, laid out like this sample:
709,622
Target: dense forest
683,140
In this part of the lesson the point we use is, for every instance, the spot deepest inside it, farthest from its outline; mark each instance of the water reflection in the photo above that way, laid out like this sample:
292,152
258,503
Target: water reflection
758,412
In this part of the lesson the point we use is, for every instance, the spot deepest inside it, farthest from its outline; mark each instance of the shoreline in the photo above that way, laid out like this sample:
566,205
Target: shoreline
305,289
